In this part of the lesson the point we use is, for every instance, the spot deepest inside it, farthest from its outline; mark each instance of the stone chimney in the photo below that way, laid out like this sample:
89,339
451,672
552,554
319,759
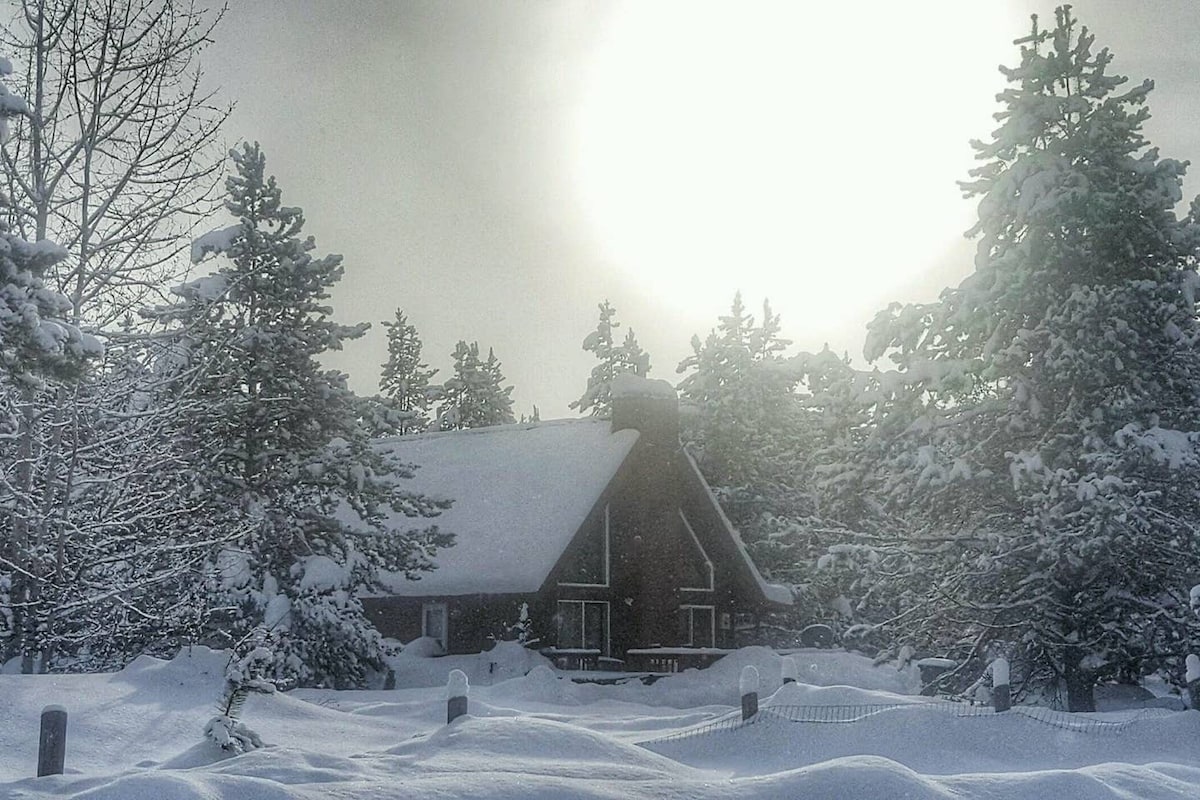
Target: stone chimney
648,406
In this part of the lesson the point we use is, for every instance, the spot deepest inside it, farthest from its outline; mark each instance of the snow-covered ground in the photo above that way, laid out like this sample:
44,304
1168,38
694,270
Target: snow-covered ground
137,734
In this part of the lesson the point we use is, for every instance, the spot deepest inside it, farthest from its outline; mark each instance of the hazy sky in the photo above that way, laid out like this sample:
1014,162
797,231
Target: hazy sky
497,169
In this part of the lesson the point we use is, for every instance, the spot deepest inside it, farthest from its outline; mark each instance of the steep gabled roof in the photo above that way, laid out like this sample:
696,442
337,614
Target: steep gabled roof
521,493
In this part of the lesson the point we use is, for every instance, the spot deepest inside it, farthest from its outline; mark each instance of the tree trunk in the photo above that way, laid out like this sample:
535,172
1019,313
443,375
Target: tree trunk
1080,682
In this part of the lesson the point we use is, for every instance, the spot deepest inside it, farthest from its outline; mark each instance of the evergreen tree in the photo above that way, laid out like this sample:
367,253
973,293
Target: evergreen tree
751,435
474,396
1040,434
404,382
281,447
742,390
627,357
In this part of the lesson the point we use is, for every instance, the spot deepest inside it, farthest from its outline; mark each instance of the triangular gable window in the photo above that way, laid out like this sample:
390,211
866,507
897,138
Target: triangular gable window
591,564
696,569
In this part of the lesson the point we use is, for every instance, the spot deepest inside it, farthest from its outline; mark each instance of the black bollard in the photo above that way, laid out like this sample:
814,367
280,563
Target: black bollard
748,687
1001,691
455,707
457,689
749,705
1001,698
52,744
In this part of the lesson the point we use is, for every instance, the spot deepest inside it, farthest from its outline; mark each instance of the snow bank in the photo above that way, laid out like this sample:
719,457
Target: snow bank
136,734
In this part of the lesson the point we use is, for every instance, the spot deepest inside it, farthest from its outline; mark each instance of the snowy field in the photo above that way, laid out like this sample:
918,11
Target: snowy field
137,734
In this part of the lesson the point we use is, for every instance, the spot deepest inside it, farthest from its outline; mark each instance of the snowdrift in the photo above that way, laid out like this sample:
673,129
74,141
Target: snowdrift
136,734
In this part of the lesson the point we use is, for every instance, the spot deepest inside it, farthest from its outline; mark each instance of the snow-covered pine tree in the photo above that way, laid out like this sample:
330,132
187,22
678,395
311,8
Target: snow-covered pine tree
614,360
742,393
282,447
841,552
751,437
496,405
475,395
404,382
1040,433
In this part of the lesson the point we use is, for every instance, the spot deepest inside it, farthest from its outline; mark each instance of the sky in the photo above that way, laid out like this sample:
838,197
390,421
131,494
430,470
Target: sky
498,169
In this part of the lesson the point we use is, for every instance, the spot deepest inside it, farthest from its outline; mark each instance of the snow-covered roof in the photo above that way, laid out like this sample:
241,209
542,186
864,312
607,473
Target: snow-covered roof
520,494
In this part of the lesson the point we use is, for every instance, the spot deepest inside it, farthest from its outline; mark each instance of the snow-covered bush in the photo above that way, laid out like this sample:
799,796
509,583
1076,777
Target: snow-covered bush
521,631
244,676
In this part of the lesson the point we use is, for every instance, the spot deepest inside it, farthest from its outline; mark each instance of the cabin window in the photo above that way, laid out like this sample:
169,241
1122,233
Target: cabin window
696,570
583,624
698,626
434,623
591,564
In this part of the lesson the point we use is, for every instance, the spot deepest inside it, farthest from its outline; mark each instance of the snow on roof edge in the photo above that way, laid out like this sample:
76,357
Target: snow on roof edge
773,592
513,426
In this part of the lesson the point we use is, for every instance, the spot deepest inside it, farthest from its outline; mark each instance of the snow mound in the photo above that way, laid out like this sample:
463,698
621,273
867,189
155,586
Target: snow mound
544,685
531,740
801,694
858,776
423,647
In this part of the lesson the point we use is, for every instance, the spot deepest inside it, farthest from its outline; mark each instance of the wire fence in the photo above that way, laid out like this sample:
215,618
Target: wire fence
848,714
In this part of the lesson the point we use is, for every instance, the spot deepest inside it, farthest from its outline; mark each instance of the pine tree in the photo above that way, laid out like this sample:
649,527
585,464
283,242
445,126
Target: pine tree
1040,433
405,379
628,357
282,448
474,396
750,435
742,390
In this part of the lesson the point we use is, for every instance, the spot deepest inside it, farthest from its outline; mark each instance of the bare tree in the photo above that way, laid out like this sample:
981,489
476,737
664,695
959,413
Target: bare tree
115,158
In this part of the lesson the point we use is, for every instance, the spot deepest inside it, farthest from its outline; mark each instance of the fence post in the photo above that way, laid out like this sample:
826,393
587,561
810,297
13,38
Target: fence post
748,686
1192,680
1001,693
52,743
456,695
789,670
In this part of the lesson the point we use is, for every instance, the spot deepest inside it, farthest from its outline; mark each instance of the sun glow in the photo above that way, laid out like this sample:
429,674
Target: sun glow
801,153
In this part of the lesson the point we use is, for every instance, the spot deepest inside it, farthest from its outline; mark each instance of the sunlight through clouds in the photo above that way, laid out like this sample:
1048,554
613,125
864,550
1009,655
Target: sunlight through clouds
785,148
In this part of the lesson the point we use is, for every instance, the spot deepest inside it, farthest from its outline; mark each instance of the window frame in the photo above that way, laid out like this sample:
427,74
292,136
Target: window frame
690,609
708,564
605,641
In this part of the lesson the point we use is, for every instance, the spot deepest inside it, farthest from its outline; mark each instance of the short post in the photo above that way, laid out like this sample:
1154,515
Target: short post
789,670
52,744
748,685
456,695
1192,681
1001,693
